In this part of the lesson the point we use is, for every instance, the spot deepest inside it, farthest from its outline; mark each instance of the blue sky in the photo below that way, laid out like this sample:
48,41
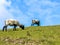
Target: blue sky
47,11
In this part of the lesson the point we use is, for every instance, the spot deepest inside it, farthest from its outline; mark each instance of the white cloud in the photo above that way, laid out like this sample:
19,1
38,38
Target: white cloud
4,13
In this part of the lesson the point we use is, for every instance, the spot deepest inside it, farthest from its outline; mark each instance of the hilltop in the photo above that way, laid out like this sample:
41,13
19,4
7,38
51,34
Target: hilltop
34,35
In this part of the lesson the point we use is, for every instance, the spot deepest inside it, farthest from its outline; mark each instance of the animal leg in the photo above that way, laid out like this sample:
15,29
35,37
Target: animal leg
14,28
4,28
38,23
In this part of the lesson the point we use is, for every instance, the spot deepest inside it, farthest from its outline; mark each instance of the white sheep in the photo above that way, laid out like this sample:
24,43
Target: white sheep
35,22
12,22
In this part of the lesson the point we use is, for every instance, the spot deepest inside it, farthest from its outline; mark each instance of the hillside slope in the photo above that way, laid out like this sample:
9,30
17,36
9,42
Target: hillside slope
35,35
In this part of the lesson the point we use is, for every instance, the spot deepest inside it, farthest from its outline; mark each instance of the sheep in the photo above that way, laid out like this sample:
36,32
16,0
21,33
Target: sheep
35,22
12,22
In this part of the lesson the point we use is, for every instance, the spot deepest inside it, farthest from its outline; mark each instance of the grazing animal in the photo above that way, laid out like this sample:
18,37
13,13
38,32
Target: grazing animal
35,22
12,22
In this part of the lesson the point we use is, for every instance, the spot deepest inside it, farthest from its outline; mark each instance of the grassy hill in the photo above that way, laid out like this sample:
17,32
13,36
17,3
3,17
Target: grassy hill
35,35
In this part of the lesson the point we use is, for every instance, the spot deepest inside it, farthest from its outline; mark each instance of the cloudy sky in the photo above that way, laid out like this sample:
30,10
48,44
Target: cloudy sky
47,11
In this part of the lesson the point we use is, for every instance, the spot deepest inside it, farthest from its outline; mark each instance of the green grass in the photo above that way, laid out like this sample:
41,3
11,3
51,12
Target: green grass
41,35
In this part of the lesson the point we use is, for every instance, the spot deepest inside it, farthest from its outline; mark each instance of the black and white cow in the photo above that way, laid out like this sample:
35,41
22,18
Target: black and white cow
12,22
35,22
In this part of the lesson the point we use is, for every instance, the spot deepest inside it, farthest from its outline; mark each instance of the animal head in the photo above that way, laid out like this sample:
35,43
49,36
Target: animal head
21,26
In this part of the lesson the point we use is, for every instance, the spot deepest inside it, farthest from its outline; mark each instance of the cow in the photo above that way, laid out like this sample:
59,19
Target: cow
35,22
12,22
